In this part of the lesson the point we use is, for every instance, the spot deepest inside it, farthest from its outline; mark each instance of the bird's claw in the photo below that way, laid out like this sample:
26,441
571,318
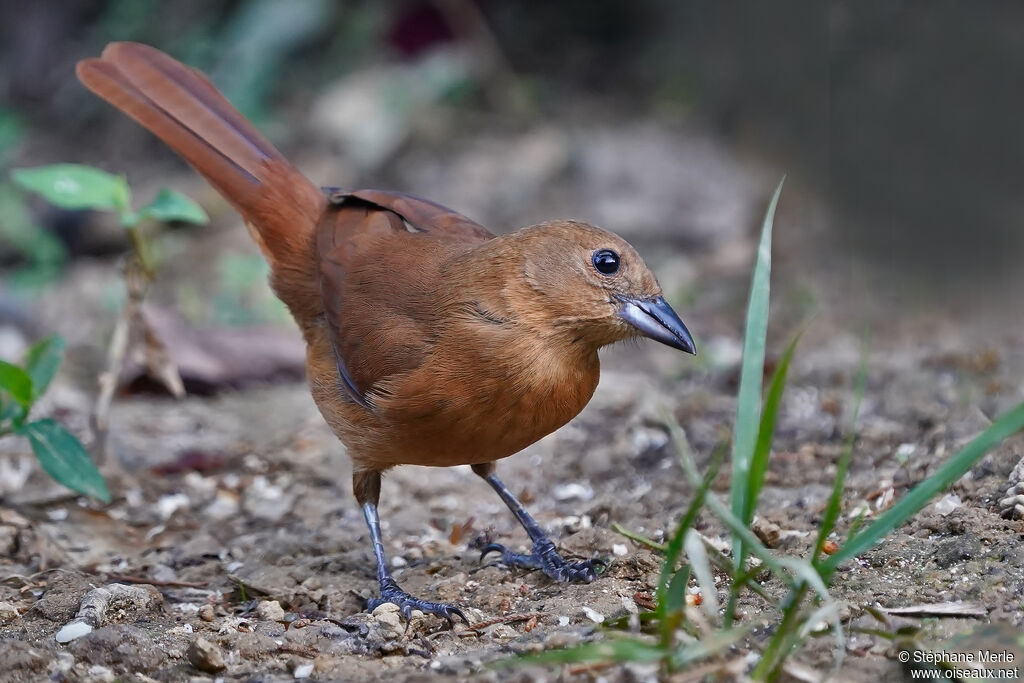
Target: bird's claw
407,603
547,559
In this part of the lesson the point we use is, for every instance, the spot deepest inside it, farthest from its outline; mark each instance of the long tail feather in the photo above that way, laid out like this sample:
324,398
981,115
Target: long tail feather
181,107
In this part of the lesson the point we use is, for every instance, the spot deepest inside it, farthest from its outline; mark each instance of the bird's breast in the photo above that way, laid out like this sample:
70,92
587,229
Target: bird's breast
474,402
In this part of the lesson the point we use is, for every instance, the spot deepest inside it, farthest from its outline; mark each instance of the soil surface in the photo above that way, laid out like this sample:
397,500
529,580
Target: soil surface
232,515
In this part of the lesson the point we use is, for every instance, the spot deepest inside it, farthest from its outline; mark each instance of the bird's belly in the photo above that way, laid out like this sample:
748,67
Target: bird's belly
444,416
467,422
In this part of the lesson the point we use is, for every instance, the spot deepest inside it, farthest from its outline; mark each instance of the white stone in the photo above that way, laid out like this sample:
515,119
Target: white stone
303,670
573,491
76,629
947,504
620,550
593,615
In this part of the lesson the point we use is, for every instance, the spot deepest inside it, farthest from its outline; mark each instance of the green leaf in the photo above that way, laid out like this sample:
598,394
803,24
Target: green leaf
766,431
675,592
16,382
1006,426
42,362
21,230
748,404
171,205
73,186
65,459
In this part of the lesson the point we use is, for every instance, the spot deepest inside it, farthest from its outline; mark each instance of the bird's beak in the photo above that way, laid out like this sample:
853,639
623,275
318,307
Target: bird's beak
656,319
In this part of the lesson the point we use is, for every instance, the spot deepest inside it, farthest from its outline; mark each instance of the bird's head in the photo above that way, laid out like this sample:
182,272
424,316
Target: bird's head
588,286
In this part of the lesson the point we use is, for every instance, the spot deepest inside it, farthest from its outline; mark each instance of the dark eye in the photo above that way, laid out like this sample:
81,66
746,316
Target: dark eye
606,261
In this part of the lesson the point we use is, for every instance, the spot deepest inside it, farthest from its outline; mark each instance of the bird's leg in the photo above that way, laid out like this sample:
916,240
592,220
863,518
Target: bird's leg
544,556
367,490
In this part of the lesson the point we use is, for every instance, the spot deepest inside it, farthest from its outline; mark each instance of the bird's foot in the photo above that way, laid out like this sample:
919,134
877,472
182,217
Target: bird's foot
547,559
390,592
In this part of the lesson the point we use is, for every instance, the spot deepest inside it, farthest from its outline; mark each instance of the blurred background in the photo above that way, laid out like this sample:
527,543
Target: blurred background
898,125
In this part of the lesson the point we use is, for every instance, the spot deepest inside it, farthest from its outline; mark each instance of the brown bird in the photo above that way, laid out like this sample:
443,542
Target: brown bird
431,341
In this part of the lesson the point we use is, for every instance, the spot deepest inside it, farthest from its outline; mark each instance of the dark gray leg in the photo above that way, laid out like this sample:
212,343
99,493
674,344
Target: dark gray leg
389,589
544,556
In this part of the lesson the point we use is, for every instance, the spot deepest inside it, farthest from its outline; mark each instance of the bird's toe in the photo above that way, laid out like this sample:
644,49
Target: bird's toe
407,603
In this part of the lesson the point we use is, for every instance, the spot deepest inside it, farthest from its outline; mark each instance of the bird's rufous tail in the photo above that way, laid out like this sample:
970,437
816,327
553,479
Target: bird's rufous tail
182,107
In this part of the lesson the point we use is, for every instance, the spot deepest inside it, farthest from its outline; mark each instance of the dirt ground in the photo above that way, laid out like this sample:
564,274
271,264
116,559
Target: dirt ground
235,507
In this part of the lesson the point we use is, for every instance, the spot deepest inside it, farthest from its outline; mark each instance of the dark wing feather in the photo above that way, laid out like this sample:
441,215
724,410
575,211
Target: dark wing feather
376,277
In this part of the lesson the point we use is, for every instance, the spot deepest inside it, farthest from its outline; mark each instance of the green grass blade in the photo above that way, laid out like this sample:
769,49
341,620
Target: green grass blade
720,509
698,557
748,404
672,604
766,431
675,545
835,500
1006,426
639,538
714,644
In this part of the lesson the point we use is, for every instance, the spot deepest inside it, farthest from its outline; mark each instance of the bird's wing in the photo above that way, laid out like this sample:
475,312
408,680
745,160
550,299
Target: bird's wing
381,256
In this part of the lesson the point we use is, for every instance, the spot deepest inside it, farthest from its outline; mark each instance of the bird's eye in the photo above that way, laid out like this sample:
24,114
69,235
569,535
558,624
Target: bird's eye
606,261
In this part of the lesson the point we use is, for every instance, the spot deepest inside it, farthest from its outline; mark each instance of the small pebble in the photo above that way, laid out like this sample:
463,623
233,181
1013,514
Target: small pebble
947,504
593,615
206,656
76,629
304,670
620,550
270,610
387,615
100,674
384,608
573,491
391,621
206,612
8,611
57,515
563,621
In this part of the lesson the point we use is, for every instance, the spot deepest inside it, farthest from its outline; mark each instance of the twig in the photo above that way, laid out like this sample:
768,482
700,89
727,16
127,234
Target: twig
509,618
136,283
92,610
127,578
286,649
